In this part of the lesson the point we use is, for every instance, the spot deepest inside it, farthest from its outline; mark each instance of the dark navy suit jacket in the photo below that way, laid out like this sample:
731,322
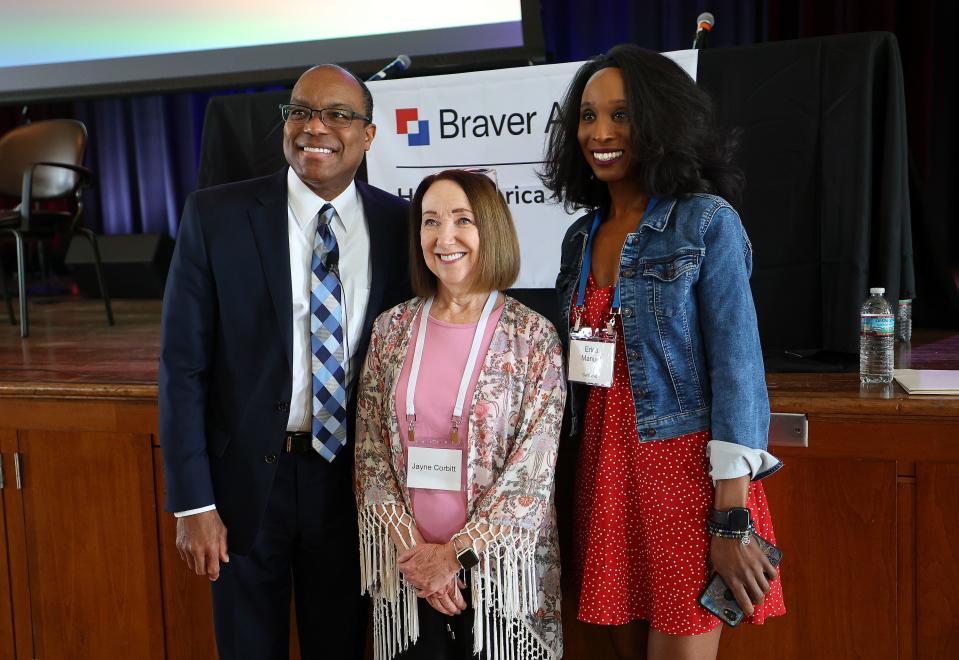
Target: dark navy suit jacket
227,343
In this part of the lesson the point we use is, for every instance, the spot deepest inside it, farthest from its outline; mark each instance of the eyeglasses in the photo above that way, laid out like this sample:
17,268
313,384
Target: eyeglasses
332,117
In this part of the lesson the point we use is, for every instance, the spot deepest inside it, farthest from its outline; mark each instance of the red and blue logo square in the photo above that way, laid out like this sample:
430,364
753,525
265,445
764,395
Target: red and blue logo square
408,118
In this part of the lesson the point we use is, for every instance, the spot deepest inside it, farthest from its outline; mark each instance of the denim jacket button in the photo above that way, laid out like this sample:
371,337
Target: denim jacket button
650,433
629,272
627,311
633,355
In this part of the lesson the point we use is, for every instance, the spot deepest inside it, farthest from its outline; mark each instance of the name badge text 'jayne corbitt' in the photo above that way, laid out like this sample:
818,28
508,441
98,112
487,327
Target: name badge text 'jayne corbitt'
435,469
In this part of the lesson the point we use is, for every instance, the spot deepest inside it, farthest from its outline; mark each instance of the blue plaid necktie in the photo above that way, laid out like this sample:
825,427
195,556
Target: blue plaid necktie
326,342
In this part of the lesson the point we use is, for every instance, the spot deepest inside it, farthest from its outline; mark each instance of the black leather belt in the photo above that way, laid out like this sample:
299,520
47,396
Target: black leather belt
298,442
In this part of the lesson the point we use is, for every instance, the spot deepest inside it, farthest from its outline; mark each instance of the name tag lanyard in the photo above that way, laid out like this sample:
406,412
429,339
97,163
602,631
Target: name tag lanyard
467,373
584,275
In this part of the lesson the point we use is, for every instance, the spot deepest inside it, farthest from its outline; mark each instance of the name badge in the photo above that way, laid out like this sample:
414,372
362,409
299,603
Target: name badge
591,357
434,469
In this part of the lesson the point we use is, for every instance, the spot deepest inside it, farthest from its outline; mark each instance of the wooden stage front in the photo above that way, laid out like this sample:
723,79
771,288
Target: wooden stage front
867,514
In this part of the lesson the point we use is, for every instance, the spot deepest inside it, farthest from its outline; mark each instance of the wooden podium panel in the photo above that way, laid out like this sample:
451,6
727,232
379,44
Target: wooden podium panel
937,571
91,544
835,521
187,604
7,478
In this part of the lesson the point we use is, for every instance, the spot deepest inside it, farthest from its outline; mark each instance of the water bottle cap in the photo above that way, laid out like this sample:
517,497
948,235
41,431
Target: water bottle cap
878,290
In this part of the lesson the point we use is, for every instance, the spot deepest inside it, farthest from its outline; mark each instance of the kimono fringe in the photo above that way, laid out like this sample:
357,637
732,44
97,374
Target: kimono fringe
504,593
396,622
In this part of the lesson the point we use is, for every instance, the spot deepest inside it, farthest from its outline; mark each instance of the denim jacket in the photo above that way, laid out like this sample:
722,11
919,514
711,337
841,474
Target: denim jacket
692,343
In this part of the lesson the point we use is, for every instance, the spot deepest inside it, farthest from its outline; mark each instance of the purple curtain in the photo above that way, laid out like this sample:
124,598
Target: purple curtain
144,152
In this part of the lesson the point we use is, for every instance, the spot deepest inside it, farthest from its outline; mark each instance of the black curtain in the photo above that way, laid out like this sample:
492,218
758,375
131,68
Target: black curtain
924,29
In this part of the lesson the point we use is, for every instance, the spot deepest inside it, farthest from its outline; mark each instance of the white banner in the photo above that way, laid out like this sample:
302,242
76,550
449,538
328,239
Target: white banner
496,119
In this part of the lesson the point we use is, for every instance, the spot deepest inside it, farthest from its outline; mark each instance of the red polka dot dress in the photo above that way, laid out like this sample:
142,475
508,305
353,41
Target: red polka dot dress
642,550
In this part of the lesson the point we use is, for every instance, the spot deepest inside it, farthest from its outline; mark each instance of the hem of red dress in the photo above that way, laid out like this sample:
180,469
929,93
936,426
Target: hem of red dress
713,624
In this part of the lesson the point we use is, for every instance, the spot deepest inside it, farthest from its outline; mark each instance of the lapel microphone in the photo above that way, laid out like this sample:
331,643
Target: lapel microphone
332,262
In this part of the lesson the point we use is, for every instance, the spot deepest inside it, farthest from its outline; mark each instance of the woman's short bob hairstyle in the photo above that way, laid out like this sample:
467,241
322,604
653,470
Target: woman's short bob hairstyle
676,148
497,265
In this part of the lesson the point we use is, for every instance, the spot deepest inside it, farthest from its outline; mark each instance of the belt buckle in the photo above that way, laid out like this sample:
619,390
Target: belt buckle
289,443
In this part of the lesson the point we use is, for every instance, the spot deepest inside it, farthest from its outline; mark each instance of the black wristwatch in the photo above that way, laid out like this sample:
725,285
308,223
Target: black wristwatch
467,558
735,520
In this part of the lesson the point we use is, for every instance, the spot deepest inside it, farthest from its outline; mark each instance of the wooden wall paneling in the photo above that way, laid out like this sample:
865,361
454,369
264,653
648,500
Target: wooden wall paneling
91,537
835,522
78,414
879,438
187,604
17,552
583,640
906,538
937,570
7,648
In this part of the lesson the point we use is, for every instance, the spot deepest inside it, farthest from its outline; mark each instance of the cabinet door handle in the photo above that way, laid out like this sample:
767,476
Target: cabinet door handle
16,469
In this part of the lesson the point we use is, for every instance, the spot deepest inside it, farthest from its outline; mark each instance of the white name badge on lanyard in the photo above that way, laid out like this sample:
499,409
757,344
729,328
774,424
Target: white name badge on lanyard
434,469
592,353
591,358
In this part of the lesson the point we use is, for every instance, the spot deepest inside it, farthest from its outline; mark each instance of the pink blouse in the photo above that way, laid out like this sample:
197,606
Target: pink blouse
441,513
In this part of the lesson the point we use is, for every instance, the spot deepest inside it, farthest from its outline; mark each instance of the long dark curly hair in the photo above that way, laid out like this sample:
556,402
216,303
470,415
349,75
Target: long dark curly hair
676,147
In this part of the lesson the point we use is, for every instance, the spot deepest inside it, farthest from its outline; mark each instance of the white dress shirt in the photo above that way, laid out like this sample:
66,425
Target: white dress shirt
353,239
356,275
727,460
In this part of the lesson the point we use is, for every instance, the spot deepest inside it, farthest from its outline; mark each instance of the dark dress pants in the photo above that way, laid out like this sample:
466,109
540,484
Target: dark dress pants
308,546
443,637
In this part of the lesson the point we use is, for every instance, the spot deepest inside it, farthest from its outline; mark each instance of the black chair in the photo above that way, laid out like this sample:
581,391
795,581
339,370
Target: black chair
40,162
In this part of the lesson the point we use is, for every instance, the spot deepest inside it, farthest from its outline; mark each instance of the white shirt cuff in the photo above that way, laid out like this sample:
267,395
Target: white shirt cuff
193,512
727,460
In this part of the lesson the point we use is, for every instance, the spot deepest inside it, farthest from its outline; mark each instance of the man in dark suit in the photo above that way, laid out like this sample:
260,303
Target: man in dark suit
271,296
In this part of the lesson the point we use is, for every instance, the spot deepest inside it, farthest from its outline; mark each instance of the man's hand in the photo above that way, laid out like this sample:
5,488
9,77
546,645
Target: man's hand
745,569
201,542
429,567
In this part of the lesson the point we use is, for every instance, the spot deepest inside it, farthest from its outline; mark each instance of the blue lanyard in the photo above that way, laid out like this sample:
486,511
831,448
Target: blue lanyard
588,262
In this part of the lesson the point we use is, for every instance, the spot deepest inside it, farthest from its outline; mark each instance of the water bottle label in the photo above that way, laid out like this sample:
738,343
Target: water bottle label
879,325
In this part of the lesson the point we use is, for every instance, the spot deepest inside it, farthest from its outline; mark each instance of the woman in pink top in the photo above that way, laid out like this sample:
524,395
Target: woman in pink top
460,405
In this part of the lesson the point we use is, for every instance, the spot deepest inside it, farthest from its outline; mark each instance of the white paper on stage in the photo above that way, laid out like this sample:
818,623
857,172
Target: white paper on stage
928,381
496,119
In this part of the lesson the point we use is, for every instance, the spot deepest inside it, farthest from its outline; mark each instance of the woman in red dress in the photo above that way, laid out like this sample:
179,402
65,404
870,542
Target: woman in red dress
655,280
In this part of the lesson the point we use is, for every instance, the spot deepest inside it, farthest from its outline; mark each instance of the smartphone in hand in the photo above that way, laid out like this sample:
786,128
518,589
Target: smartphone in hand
717,597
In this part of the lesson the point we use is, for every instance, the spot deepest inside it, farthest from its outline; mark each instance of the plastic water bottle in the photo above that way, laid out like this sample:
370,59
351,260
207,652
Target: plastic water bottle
876,339
904,320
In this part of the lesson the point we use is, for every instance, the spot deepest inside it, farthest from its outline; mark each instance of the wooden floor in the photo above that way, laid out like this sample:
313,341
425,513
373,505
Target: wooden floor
71,343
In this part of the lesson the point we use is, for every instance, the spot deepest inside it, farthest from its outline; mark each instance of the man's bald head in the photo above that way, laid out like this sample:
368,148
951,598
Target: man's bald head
367,96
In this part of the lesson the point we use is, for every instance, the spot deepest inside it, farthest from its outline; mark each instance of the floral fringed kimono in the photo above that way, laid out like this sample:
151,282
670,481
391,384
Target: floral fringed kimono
514,426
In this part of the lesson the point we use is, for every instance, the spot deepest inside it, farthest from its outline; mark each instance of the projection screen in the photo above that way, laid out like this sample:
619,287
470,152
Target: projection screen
64,48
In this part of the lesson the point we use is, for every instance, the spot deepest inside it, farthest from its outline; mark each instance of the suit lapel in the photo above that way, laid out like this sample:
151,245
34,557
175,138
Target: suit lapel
378,254
269,224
